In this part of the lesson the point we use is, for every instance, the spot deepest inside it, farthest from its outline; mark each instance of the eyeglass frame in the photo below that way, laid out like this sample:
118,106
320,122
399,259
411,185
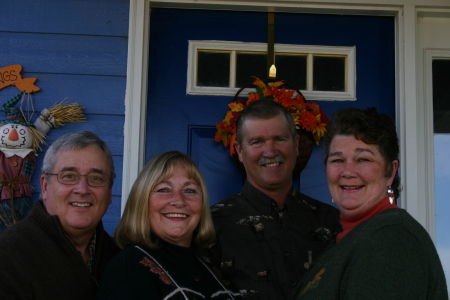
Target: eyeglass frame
108,178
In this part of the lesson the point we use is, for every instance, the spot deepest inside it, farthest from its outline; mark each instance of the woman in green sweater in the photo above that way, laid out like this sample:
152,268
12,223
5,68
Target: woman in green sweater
382,252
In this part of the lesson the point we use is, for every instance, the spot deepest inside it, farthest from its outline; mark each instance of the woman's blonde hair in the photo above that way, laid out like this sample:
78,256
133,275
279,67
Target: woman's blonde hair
134,226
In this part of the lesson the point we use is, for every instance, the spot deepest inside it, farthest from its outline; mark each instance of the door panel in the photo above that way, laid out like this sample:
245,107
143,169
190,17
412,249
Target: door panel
221,175
176,121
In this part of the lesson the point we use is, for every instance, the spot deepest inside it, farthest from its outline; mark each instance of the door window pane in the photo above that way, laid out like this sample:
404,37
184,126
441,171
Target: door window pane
441,115
441,95
329,73
250,64
292,69
213,69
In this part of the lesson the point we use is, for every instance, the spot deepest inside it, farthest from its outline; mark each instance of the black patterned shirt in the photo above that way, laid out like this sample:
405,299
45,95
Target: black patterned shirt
266,249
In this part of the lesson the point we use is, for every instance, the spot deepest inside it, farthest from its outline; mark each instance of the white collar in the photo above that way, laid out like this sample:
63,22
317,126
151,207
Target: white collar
19,152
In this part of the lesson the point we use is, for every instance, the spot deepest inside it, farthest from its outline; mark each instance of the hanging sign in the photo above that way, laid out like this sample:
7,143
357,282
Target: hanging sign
10,75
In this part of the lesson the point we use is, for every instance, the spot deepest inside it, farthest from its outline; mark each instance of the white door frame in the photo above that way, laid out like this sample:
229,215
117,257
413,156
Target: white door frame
429,55
414,195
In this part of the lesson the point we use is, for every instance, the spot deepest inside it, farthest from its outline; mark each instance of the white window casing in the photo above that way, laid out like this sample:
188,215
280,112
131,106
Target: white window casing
309,50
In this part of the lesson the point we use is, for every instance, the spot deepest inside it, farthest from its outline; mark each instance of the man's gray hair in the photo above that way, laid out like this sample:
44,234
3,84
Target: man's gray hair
76,141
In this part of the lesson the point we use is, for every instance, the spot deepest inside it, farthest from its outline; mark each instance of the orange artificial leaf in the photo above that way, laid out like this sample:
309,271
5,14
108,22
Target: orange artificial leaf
315,108
217,136
236,106
222,135
270,91
233,117
232,148
308,120
258,82
252,97
277,84
285,97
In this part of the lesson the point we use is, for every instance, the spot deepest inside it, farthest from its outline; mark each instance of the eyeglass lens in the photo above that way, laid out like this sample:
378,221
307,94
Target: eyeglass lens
72,177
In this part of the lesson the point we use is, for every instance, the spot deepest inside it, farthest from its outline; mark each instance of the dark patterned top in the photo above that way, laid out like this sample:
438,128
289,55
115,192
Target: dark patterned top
265,249
168,272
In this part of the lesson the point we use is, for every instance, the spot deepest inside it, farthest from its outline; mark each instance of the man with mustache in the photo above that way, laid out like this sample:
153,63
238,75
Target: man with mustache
60,250
269,233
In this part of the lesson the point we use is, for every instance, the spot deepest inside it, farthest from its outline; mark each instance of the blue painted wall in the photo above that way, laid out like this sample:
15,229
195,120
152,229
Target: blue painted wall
77,49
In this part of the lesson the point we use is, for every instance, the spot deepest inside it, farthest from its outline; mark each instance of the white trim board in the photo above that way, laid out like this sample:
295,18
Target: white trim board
429,55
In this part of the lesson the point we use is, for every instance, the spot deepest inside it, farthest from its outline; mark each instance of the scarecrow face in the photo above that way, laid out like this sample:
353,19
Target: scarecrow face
15,136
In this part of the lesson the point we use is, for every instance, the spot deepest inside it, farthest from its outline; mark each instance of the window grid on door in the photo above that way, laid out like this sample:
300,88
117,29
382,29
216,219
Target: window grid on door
230,62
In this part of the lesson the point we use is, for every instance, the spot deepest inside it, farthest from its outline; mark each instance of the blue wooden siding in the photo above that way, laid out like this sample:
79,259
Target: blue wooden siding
77,49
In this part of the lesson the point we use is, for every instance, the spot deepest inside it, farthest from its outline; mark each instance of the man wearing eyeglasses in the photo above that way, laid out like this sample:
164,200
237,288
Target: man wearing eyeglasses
59,251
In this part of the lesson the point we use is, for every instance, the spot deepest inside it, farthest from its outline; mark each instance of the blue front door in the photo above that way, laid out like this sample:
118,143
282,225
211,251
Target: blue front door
176,121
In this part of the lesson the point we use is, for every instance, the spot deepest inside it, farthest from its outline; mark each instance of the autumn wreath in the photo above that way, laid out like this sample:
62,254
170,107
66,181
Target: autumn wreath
307,116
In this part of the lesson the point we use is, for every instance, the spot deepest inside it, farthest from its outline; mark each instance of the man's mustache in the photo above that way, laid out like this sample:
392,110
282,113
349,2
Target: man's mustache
277,159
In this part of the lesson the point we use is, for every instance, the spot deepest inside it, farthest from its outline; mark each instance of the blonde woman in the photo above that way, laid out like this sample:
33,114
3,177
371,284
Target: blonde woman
166,220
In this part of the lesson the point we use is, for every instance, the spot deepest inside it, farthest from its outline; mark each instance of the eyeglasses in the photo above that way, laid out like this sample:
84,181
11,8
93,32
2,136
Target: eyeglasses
72,178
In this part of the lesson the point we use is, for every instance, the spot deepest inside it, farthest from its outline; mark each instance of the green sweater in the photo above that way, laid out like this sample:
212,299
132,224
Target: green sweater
389,256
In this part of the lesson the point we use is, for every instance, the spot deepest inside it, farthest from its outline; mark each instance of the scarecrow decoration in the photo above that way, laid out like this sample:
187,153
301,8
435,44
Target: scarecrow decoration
19,142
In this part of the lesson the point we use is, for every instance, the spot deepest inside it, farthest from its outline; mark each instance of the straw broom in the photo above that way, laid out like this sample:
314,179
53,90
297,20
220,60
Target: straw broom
66,113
